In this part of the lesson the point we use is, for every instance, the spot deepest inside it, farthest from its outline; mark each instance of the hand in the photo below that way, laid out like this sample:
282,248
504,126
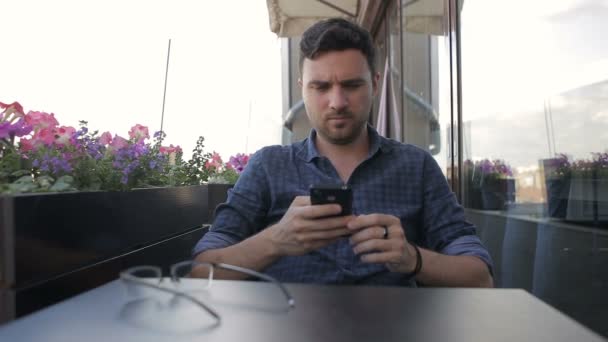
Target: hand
393,250
305,227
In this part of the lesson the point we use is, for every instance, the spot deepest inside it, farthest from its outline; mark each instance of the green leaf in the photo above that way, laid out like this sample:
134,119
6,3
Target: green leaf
63,183
20,173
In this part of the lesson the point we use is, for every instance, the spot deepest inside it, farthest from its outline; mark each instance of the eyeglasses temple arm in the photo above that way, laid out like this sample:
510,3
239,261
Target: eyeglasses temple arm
128,277
247,271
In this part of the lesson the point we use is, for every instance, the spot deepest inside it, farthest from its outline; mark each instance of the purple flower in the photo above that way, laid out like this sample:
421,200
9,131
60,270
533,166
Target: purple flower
94,149
560,165
54,164
238,162
18,129
600,159
496,167
5,129
127,170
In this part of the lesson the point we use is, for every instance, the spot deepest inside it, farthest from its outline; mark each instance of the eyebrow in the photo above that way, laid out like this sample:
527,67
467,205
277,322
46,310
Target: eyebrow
347,82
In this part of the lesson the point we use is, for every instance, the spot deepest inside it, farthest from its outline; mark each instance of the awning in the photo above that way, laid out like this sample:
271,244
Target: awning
289,18
427,16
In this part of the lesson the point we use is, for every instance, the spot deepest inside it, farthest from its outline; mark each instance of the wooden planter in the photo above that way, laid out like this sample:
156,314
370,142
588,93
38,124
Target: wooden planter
218,193
558,191
496,193
45,237
588,200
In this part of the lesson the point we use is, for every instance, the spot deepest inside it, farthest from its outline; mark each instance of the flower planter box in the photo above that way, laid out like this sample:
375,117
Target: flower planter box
496,193
45,235
218,193
588,200
558,192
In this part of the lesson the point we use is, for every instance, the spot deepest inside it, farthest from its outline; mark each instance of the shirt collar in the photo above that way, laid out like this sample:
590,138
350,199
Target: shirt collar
309,152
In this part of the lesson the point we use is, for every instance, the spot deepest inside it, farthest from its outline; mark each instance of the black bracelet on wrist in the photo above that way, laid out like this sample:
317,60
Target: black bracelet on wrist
418,263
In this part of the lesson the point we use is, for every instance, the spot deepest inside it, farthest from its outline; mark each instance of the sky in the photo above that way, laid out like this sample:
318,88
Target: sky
518,54
104,62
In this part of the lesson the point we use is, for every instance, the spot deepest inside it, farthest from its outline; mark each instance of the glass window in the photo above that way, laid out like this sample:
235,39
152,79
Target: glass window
381,53
535,99
425,77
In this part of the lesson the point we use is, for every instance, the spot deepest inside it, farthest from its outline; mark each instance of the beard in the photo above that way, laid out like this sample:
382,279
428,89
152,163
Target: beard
342,133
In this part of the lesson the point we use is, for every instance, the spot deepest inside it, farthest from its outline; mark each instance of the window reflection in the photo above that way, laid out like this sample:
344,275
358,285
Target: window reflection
425,77
534,96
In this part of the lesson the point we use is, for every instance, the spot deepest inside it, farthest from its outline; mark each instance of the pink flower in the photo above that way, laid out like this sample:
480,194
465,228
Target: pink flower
63,135
41,120
105,138
8,109
139,133
170,149
118,142
44,136
215,162
26,145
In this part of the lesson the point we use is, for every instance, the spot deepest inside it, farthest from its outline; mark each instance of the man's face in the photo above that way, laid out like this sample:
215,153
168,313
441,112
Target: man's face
338,89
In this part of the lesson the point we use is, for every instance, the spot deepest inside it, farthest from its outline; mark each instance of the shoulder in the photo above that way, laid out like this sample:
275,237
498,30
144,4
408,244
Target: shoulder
272,153
277,153
404,151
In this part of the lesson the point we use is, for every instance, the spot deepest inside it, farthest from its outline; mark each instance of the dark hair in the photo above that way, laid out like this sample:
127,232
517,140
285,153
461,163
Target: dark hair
336,34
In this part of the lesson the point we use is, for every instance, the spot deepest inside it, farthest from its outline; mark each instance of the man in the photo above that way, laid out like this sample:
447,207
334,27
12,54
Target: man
407,226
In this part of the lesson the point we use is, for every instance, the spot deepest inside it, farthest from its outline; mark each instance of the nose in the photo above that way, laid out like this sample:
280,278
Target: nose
338,100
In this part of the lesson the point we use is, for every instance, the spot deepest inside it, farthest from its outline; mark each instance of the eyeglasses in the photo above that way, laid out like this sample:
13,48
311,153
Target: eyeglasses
151,277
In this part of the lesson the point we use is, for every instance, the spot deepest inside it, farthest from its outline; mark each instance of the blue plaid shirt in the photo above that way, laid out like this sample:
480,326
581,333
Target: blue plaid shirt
396,179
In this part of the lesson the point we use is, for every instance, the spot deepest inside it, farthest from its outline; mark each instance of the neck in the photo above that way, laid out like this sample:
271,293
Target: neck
345,158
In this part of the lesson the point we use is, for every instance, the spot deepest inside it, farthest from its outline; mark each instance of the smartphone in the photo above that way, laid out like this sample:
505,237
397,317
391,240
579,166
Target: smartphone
333,193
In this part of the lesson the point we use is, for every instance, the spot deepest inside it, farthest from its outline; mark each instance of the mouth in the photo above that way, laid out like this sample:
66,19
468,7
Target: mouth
340,118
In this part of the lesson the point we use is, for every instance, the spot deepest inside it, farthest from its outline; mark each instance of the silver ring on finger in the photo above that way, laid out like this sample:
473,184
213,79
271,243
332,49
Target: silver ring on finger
385,235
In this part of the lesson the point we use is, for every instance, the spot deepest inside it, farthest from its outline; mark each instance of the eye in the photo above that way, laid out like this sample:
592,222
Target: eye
320,87
352,86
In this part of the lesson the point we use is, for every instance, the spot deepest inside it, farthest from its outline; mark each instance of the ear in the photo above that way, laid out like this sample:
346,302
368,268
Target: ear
375,83
300,82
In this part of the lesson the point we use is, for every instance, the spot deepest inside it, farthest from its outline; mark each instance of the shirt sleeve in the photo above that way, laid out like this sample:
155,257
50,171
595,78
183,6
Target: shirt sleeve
244,212
446,228
469,245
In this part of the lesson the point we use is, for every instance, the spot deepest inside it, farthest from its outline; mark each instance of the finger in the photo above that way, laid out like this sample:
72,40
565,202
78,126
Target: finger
321,210
328,223
321,243
363,221
374,245
373,232
300,201
381,258
323,235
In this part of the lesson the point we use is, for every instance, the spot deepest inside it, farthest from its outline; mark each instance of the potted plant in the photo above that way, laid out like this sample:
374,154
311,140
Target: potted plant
71,197
472,193
588,193
493,179
40,156
558,172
